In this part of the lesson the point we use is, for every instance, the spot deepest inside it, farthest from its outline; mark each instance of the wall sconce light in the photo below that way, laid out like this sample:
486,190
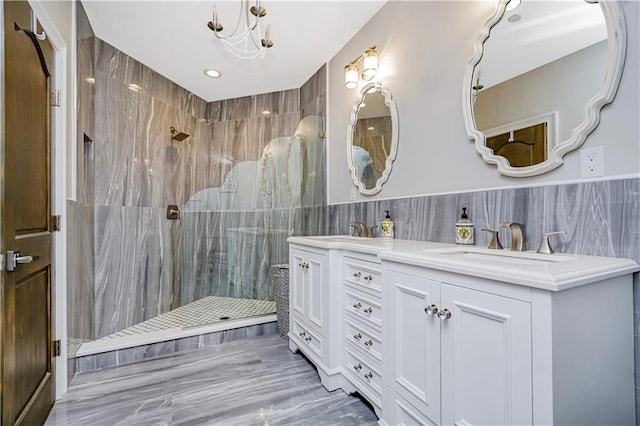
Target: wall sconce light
369,61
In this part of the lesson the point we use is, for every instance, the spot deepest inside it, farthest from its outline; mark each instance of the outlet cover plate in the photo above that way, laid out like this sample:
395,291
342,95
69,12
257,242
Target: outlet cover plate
592,162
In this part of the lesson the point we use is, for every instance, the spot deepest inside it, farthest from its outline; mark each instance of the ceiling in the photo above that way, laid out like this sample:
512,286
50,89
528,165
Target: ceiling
172,38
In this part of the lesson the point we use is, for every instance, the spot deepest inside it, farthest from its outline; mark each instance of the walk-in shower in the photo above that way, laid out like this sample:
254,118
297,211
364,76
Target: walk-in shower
231,237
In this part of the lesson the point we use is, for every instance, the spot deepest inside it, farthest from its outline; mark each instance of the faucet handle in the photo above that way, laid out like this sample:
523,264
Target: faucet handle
495,241
545,247
355,231
371,231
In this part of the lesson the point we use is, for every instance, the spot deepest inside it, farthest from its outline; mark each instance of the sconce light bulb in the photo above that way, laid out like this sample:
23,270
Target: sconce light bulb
370,60
351,76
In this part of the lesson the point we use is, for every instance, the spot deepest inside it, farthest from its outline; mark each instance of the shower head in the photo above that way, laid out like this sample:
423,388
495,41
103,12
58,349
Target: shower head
178,136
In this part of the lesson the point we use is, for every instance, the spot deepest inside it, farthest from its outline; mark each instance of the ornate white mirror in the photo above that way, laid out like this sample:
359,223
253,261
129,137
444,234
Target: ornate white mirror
372,138
538,78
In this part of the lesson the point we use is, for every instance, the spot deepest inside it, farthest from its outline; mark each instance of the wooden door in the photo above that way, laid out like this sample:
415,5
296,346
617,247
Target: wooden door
414,337
486,359
523,147
27,364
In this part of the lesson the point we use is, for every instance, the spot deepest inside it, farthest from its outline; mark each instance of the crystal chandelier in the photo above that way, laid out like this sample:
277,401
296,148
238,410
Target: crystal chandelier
244,41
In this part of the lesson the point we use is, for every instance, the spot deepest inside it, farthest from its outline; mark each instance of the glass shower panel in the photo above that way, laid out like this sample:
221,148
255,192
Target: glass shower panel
235,233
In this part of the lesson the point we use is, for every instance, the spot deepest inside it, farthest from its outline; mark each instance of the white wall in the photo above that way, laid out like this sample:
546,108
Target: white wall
424,47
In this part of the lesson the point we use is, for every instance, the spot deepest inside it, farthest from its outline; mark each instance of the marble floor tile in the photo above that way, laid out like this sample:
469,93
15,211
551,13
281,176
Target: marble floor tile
256,381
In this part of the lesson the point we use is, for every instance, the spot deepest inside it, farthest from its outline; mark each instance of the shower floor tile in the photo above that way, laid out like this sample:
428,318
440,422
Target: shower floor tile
208,310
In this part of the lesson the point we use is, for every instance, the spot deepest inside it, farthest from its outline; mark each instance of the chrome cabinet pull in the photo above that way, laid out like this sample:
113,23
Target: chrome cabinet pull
357,306
302,334
444,314
368,278
368,343
369,375
431,310
357,274
368,310
307,339
357,336
357,367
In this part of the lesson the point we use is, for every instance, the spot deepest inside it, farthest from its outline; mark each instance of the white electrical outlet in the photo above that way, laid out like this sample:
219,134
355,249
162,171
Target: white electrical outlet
592,162
353,194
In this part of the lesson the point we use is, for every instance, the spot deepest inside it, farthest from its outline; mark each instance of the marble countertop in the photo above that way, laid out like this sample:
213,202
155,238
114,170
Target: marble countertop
554,272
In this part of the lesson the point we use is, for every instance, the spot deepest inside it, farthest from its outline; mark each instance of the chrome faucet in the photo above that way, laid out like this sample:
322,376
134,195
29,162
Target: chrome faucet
360,229
517,235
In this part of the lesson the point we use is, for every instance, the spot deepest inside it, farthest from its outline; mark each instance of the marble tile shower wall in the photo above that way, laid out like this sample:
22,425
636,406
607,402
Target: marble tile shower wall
600,218
128,266
80,237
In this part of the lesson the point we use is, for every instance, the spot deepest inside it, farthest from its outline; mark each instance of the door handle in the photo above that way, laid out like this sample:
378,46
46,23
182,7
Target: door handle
14,258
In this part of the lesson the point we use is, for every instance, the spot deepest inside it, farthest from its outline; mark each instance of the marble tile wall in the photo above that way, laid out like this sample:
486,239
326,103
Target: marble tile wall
80,235
600,218
129,259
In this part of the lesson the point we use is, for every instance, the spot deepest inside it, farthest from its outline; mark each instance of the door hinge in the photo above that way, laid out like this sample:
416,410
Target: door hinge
56,348
56,222
56,98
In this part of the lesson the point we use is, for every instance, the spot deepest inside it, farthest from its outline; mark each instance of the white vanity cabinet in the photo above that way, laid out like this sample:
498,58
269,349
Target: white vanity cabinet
466,350
313,322
362,325
438,334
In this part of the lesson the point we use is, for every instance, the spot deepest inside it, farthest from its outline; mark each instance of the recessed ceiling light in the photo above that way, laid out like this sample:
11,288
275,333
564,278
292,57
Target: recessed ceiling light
90,80
371,128
134,87
266,112
210,72
514,18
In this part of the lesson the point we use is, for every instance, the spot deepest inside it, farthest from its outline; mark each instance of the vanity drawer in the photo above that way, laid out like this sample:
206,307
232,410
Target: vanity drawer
363,339
363,275
364,307
307,339
364,376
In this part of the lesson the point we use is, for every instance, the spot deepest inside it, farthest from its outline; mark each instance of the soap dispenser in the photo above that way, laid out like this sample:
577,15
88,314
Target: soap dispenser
387,226
464,229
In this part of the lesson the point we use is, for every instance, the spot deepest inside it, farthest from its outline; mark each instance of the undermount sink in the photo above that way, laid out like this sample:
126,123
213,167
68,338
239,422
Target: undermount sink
483,255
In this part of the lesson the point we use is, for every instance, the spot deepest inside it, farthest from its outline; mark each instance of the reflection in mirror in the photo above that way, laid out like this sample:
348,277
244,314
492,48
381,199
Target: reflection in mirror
372,138
538,79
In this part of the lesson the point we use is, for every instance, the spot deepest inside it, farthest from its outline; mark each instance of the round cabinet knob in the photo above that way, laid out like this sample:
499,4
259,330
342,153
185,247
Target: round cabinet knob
431,310
368,311
357,367
368,343
357,306
357,336
302,334
307,339
357,274
444,314
368,278
369,375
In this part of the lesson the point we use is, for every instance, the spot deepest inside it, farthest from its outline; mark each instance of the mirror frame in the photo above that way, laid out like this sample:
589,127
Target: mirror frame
616,52
389,102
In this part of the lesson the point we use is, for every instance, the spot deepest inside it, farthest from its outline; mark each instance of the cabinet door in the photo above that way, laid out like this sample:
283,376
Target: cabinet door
297,282
315,275
486,359
414,341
